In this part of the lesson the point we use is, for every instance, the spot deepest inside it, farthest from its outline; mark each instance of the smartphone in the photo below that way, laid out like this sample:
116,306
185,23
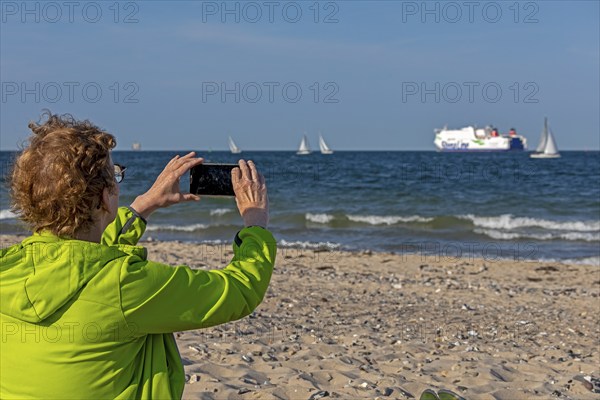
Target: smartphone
212,179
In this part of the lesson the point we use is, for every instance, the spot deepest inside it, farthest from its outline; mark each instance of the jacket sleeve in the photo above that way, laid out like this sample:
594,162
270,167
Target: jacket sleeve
127,228
158,298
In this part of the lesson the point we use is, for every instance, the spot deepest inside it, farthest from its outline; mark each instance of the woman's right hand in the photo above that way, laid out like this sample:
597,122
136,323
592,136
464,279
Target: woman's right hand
250,194
165,191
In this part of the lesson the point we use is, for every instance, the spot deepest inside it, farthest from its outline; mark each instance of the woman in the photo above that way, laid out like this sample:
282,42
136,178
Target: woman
84,313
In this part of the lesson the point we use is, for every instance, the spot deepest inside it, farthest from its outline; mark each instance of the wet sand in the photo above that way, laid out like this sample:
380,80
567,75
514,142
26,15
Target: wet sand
368,325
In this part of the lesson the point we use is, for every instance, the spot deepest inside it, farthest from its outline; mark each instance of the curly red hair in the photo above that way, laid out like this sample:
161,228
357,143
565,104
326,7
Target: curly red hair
57,180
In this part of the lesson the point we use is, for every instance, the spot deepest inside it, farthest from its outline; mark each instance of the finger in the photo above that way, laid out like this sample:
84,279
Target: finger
181,160
173,160
190,197
244,169
253,171
236,175
187,165
261,179
188,155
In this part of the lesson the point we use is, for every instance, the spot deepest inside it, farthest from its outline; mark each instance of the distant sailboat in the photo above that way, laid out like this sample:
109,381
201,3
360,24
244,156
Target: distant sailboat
304,149
547,147
136,146
323,146
234,149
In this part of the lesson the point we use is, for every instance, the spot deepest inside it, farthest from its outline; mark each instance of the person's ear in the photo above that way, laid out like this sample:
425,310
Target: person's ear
105,202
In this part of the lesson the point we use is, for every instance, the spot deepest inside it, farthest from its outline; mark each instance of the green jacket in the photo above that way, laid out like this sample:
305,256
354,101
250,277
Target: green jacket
89,320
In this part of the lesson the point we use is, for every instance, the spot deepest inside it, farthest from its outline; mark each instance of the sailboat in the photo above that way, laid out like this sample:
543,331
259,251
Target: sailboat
304,149
323,146
547,147
234,149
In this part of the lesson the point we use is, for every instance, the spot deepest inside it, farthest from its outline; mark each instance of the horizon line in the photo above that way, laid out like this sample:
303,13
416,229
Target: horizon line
335,151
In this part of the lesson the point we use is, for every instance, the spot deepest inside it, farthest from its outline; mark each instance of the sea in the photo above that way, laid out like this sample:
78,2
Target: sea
444,205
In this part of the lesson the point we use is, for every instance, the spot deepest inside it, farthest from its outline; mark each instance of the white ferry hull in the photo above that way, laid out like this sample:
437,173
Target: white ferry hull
470,139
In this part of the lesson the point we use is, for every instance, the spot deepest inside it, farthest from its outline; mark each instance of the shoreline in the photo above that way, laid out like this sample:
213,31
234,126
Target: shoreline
367,325
322,247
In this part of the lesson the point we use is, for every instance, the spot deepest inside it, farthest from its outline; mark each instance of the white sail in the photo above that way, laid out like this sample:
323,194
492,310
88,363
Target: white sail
303,149
547,147
543,138
323,146
550,147
234,149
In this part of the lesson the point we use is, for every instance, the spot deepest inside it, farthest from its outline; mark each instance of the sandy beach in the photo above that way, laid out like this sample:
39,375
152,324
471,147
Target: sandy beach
379,325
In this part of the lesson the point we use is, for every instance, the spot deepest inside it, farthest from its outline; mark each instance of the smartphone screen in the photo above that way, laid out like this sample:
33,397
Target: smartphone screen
212,180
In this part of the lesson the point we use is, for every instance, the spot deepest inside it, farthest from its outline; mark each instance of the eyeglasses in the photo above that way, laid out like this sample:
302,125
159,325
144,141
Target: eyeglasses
120,172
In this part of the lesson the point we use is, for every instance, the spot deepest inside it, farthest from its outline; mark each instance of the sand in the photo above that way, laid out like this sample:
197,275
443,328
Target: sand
379,325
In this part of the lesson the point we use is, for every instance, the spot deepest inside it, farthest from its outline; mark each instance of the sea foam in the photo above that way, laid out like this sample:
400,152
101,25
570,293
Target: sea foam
387,219
309,245
508,221
571,236
176,228
366,219
220,211
319,218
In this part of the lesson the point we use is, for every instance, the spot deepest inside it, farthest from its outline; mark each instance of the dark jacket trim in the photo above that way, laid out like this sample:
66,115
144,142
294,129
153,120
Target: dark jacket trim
237,239
137,214
127,225
131,220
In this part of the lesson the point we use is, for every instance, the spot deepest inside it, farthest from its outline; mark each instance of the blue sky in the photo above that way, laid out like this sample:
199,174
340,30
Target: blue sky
376,75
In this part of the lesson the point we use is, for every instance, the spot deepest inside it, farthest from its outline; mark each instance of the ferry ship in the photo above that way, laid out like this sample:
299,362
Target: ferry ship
472,139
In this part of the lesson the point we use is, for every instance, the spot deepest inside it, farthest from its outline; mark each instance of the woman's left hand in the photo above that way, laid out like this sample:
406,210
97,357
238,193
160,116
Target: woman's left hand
165,191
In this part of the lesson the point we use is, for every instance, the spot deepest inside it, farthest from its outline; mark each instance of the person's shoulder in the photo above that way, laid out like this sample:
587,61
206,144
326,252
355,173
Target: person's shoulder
8,249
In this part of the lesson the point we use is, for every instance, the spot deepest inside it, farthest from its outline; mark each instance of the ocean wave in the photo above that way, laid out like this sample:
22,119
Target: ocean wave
500,235
572,236
310,245
365,219
588,237
508,222
220,211
593,261
387,219
176,228
319,218
7,214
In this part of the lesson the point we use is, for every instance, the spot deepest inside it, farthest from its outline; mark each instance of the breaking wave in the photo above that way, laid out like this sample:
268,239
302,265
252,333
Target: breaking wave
500,235
508,221
387,219
365,219
176,228
319,218
220,211
310,245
